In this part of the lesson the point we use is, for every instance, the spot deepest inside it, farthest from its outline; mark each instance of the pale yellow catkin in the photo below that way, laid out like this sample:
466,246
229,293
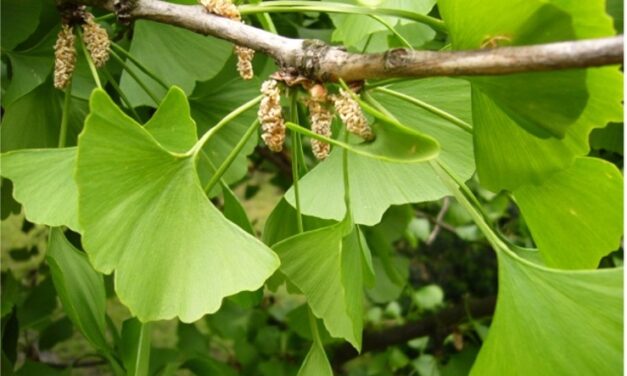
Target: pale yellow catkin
245,62
271,116
64,57
320,119
352,116
96,40
226,8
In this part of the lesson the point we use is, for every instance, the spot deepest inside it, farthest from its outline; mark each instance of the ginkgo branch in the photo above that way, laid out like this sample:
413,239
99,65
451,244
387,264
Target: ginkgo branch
318,60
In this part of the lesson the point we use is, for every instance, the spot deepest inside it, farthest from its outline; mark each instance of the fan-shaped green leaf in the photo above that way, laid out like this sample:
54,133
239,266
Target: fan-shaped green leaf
552,322
145,215
376,185
43,184
32,121
210,102
545,104
575,216
327,269
507,156
183,57
29,71
80,288
19,20
353,29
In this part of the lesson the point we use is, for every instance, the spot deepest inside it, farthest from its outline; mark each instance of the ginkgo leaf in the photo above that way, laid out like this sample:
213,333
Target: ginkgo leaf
545,104
145,216
554,322
327,269
210,102
375,184
172,124
19,20
575,216
508,155
182,58
353,29
43,184
316,362
80,288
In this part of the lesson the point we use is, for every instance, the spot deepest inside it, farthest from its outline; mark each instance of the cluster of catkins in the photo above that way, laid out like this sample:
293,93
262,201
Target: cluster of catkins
226,8
320,116
96,40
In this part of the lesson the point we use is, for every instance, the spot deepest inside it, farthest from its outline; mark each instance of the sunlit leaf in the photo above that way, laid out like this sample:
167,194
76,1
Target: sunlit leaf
145,215
43,184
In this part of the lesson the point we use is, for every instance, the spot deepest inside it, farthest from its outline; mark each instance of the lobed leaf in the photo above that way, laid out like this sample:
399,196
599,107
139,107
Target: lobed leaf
182,57
327,269
576,215
80,288
43,184
145,215
375,184
552,322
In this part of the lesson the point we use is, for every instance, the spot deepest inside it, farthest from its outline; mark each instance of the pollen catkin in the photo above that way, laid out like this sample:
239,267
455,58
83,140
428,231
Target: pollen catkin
96,40
352,116
64,57
320,119
270,116
245,62
226,8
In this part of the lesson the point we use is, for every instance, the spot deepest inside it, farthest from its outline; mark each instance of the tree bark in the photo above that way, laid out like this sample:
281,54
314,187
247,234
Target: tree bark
320,61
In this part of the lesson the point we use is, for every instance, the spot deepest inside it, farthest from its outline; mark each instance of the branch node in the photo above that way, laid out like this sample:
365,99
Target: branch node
395,58
123,9
314,51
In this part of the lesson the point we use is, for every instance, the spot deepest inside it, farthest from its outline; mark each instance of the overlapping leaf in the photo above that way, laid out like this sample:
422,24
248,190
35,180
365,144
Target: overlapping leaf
19,20
376,185
80,288
182,57
43,184
316,362
210,102
575,216
30,68
327,268
144,215
508,156
354,30
551,322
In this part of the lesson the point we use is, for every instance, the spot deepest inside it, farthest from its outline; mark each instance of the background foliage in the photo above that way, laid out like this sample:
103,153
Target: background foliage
138,249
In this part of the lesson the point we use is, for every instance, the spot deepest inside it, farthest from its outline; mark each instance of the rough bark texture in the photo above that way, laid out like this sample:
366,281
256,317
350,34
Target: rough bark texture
320,61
